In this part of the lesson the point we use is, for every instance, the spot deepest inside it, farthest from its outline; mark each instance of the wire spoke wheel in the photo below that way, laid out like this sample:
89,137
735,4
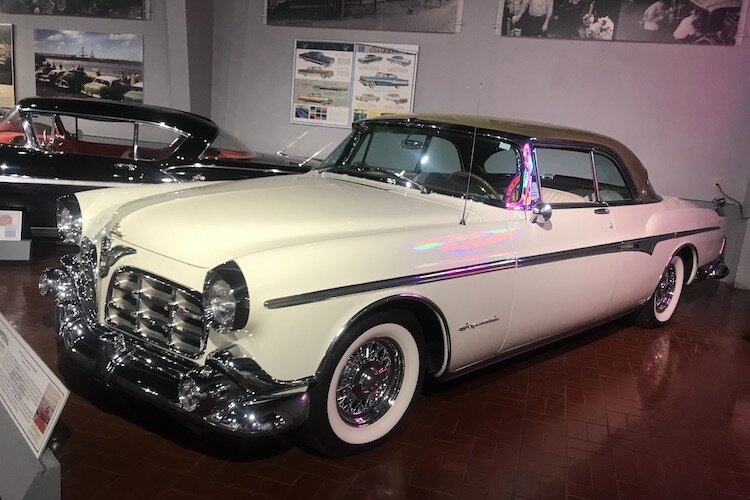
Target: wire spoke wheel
665,289
370,382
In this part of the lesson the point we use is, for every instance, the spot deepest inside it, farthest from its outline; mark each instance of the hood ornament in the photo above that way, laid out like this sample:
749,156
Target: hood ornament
110,255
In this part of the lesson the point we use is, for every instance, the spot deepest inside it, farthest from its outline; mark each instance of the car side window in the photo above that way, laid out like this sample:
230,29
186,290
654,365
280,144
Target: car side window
612,185
157,143
105,138
566,176
503,161
11,130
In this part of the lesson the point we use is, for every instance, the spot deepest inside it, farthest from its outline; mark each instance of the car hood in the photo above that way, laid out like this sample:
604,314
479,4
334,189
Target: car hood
209,225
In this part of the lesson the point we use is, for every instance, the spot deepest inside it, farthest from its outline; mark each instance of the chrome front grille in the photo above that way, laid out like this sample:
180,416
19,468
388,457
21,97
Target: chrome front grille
157,310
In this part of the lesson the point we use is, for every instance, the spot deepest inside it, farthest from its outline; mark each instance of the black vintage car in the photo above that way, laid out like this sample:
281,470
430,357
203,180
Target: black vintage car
51,147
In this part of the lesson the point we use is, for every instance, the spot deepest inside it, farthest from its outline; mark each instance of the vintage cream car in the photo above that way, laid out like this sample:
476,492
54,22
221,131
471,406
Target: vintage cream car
423,246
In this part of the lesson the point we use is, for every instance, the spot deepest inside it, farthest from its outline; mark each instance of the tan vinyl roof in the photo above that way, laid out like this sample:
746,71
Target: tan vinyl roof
542,132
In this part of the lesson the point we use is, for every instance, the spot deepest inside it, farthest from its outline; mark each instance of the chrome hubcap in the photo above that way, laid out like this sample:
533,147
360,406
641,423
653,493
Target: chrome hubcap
665,288
370,382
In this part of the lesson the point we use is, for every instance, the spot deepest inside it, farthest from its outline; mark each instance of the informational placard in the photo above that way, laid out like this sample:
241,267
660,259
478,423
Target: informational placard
7,88
10,225
31,394
336,83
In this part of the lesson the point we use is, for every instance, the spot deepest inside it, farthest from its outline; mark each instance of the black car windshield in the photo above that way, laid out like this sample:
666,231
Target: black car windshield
429,159
226,147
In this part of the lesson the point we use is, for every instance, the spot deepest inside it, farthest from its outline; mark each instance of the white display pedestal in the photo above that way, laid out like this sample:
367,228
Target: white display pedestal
15,250
22,475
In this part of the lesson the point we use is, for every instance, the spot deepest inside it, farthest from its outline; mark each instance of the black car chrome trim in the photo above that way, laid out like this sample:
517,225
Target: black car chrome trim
12,179
415,279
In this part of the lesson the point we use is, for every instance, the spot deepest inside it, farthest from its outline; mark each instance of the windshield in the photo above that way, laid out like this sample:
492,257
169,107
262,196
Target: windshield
429,159
226,147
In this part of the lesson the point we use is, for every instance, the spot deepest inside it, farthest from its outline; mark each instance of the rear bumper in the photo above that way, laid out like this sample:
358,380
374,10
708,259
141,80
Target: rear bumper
229,393
716,270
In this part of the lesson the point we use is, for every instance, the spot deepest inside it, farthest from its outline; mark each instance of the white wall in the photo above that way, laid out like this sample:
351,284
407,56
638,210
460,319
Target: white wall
683,109
161,87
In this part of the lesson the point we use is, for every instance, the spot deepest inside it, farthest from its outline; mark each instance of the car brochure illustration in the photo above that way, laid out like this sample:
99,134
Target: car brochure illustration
336,83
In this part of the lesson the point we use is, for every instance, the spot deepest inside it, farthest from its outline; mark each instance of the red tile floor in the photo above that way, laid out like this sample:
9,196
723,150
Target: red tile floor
616,412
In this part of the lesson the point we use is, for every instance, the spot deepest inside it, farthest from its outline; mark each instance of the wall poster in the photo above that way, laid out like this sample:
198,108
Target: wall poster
7,89
336,83
705,22
89,64
116,9
435,16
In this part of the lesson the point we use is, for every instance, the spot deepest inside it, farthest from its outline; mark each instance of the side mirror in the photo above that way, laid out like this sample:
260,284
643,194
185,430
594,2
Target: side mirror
543,210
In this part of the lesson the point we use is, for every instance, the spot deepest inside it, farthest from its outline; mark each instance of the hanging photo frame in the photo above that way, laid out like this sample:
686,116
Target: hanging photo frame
7,73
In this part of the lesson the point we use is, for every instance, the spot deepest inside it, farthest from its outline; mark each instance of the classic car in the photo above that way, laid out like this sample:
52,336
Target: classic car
73,81
384,79
55,146
369,58
316,71
117,90
423,246
315,97
317,57
367,97
95,88
134,95
50,77
400,60
395,98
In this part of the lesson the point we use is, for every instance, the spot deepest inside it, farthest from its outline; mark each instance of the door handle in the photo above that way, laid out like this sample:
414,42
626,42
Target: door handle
601,211
126,166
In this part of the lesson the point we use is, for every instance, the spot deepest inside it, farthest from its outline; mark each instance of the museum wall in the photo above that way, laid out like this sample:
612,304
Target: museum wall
159,47
682,108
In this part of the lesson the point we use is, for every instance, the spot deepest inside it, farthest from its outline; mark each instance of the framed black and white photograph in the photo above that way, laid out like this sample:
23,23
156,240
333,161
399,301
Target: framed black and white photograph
7,89
704,22
116,9
435,16
89,64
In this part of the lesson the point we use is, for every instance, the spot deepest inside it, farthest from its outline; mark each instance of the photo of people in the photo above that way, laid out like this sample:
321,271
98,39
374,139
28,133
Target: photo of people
89,64
119,9
705,22
708,22
568,19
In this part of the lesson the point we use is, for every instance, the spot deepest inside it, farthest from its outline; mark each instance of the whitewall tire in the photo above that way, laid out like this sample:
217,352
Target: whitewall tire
661,306
367,384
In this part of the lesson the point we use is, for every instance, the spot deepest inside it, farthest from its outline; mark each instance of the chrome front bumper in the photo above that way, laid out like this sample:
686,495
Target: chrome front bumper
229,393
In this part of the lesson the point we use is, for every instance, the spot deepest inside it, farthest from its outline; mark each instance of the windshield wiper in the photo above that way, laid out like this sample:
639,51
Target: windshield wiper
391,175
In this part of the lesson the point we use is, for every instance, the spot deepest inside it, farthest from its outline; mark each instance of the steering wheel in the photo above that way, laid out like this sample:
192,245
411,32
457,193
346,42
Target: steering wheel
483,187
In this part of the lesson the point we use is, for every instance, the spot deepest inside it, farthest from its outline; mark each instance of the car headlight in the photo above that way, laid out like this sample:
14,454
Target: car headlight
225,298
69,220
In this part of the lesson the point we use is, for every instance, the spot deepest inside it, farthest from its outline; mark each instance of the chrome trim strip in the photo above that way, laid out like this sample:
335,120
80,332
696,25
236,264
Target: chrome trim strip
415,279
12,179
646,245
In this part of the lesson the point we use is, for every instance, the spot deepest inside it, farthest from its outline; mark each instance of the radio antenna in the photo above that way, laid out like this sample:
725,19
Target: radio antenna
462,222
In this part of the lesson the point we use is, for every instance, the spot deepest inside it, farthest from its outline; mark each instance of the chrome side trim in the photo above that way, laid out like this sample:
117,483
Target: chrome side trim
415,279
646,245
13,179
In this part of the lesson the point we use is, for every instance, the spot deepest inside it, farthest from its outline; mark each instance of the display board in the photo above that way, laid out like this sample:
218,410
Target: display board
11,222
336,83
119,9
29,391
